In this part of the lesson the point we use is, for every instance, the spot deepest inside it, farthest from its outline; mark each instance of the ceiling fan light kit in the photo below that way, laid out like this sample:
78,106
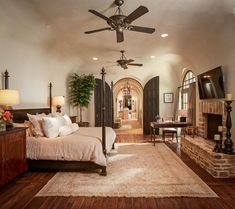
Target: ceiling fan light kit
120,22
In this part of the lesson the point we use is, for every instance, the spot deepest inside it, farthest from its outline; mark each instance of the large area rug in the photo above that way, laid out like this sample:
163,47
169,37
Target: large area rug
135,170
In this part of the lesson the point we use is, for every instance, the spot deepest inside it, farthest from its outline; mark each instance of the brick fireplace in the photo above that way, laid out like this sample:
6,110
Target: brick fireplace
214,113
219,165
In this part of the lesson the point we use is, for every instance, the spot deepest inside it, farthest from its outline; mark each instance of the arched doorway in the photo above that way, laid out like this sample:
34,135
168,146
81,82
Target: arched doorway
128,105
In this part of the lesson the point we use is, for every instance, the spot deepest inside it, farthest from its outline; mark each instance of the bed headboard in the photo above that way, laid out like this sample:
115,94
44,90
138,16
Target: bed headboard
20,115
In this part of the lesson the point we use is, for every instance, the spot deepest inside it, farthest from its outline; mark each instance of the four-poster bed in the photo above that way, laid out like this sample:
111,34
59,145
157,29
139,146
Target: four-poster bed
20,115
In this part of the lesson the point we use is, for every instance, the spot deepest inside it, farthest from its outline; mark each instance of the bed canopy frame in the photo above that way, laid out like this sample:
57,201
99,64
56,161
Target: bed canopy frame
20,115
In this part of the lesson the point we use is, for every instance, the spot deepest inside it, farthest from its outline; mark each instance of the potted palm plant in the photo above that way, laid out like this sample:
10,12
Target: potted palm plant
80,91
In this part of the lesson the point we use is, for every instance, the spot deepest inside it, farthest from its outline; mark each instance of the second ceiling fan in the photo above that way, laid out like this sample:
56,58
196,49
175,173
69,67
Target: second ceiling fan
120,22
123,61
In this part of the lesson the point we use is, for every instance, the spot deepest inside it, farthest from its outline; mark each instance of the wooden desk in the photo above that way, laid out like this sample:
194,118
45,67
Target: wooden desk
174,124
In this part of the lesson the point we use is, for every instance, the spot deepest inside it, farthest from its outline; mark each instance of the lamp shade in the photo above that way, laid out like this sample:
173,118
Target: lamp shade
58,100
182,112
9,97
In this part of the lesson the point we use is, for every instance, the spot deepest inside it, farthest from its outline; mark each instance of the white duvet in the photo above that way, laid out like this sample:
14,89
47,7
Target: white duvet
83,145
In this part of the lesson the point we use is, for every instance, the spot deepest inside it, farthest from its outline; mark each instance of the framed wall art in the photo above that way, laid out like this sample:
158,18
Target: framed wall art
168,97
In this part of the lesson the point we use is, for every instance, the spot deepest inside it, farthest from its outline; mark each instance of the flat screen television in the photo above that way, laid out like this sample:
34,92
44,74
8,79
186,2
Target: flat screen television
211,84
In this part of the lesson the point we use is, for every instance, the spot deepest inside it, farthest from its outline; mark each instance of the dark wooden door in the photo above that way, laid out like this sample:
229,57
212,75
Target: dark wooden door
151,103
98,104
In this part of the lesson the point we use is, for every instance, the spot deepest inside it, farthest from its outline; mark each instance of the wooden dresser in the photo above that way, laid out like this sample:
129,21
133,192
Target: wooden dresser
12,154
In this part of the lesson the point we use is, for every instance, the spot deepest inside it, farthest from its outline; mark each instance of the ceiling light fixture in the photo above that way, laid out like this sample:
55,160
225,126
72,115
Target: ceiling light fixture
164,35
95,58
126,90
152,56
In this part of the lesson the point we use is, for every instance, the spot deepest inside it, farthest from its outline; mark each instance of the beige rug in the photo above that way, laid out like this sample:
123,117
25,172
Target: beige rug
135,170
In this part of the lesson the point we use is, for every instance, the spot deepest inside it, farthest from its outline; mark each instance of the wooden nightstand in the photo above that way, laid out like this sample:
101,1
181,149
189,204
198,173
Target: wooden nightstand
83,124
73,119
12,154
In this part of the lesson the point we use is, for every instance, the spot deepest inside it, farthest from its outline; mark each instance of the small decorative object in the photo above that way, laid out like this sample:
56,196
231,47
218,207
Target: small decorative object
218,143
228,143
157,118
2,123
58,101
191,130
8,118
168,97
220,128
228,97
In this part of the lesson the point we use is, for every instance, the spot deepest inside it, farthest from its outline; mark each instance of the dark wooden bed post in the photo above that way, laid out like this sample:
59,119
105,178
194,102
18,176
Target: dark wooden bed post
50,96
6,79
104,170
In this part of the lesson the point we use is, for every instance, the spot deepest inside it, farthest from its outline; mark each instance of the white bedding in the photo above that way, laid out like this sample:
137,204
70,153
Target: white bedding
83,145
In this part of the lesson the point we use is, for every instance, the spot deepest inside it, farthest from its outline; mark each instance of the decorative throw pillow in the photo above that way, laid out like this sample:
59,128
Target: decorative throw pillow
29,126
65,130
26,124
36,121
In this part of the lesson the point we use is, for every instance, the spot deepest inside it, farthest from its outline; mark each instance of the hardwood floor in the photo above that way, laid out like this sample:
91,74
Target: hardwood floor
130,127
21,192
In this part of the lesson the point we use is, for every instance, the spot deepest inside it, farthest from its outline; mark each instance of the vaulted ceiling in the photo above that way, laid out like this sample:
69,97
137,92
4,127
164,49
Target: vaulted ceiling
58,26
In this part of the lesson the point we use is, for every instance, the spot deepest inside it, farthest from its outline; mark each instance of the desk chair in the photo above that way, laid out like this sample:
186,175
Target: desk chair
171,131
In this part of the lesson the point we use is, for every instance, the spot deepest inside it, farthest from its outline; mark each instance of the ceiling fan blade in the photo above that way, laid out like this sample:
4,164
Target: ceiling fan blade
98,30
120,36
99,15
135,64
141,10
130,60
141,29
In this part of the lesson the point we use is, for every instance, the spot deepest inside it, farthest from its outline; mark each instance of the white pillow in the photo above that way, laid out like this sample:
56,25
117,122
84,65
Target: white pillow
65,130
52,125
74,126
67,118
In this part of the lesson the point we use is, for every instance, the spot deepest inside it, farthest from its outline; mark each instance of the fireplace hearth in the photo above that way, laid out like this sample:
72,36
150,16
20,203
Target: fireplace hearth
220,165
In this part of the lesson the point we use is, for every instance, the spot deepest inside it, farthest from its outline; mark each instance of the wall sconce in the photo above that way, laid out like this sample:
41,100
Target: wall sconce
58,101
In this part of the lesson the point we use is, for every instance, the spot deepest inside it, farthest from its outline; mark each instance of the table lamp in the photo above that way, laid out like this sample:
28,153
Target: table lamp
58,101
9,97
183,115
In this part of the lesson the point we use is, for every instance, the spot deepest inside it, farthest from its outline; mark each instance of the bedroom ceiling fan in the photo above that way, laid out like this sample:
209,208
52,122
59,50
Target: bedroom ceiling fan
123,61
120,22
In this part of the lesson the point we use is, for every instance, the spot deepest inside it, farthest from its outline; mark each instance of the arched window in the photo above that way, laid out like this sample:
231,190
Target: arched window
189,78
187,96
